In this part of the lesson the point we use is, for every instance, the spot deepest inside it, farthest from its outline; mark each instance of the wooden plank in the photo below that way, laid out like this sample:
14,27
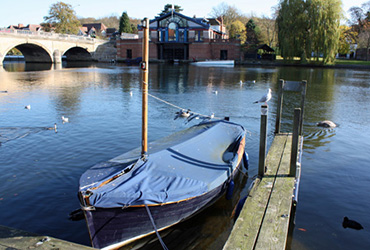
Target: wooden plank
274,230
246,228
17,239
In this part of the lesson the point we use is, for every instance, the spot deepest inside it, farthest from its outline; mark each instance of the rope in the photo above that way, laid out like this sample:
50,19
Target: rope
177,107
155,228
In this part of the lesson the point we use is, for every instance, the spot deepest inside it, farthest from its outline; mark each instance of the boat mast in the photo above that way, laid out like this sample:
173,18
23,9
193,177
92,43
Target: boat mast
145,68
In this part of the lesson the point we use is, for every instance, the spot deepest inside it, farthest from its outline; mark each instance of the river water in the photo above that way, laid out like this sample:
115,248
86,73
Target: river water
41,168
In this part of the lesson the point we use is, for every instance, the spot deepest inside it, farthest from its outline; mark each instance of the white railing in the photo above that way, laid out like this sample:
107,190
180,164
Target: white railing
46,34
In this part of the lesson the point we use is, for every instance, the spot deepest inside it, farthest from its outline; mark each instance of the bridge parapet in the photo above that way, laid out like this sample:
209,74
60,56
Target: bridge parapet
50,35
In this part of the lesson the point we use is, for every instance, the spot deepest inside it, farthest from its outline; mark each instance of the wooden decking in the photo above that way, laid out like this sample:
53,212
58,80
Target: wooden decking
264,220
17,239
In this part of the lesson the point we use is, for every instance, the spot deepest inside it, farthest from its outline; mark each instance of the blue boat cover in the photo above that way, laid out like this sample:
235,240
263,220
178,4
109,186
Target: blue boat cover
181,166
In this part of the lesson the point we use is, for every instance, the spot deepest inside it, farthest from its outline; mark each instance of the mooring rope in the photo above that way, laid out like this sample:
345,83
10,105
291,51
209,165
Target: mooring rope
177,107
155,228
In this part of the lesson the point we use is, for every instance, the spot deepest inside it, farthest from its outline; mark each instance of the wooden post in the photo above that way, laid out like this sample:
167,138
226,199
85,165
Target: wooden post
279,106
263,141
145,68
303,92
295,141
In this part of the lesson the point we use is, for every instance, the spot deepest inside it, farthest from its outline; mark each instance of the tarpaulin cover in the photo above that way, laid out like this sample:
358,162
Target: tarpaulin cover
181,166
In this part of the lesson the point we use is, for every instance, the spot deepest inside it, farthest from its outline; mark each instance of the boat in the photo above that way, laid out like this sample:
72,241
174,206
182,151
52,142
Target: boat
212,63
160,184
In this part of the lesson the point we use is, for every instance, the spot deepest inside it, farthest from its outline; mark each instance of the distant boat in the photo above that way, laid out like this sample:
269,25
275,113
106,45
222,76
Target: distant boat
170,180
229,63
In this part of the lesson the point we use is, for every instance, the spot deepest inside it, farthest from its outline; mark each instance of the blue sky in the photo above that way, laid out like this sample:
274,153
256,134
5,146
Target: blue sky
33,11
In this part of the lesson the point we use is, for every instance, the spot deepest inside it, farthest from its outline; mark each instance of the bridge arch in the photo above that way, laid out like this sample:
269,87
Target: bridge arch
77,54
33,52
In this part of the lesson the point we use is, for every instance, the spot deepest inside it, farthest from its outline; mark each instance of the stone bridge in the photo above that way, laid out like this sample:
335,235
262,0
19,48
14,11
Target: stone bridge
45,47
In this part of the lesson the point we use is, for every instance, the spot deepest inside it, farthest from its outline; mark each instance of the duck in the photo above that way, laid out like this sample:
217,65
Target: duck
351,224
326,124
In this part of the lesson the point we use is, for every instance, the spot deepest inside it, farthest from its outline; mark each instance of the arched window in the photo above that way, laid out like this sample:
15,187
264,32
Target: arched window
172,31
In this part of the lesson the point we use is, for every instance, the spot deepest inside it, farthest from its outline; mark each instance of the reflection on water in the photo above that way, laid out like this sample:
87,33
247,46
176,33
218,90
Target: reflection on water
41,169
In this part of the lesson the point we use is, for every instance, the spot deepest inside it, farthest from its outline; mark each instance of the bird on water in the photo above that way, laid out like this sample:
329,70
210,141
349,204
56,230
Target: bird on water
265,98
65,119
351,224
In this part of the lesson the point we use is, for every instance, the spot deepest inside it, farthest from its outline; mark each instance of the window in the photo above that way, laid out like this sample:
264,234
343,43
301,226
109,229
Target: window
199,35
172,31
129,53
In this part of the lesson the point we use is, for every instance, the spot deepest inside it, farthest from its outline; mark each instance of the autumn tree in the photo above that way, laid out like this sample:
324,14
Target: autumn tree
347,37
62,18
124,24
227,14
237,31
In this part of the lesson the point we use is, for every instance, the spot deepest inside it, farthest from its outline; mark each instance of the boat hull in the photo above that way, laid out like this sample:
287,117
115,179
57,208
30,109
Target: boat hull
111,228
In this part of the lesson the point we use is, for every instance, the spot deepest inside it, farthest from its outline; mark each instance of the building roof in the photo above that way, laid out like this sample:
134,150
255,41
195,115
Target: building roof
97,26
193,22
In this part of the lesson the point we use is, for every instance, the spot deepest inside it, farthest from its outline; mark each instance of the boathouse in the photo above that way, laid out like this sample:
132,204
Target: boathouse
174,36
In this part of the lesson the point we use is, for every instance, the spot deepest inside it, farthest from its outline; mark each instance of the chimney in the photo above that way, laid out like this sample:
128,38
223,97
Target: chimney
20,25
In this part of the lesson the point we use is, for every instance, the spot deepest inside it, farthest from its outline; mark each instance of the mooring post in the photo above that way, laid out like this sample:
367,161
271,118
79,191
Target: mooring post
303,92
295,141
263,141
279,106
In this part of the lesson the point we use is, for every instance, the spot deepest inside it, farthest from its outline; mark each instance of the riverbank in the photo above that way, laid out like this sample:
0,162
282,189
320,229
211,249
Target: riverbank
340,64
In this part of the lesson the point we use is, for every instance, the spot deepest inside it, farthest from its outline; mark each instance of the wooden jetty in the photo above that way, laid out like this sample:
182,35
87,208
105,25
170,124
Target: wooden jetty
11,238
268,211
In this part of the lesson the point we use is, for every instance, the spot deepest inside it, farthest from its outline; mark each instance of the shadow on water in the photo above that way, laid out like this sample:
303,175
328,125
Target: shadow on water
208,229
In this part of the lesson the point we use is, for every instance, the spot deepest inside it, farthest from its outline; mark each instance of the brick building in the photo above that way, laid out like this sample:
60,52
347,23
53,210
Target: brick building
176,36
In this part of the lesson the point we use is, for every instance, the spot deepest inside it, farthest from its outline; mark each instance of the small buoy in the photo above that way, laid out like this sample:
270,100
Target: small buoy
28,106
65,119
351,224
326,124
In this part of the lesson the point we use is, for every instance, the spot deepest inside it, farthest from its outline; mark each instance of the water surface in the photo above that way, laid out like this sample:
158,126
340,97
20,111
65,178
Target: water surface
41,168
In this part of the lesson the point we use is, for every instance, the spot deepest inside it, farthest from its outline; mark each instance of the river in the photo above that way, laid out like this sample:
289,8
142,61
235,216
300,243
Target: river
41,168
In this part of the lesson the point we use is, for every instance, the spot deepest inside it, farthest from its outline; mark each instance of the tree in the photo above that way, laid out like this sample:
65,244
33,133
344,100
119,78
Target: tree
292,29
237,31
168,8
324,16
63,19
252,32
347,36
268,29
227,14
124,24
309,26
